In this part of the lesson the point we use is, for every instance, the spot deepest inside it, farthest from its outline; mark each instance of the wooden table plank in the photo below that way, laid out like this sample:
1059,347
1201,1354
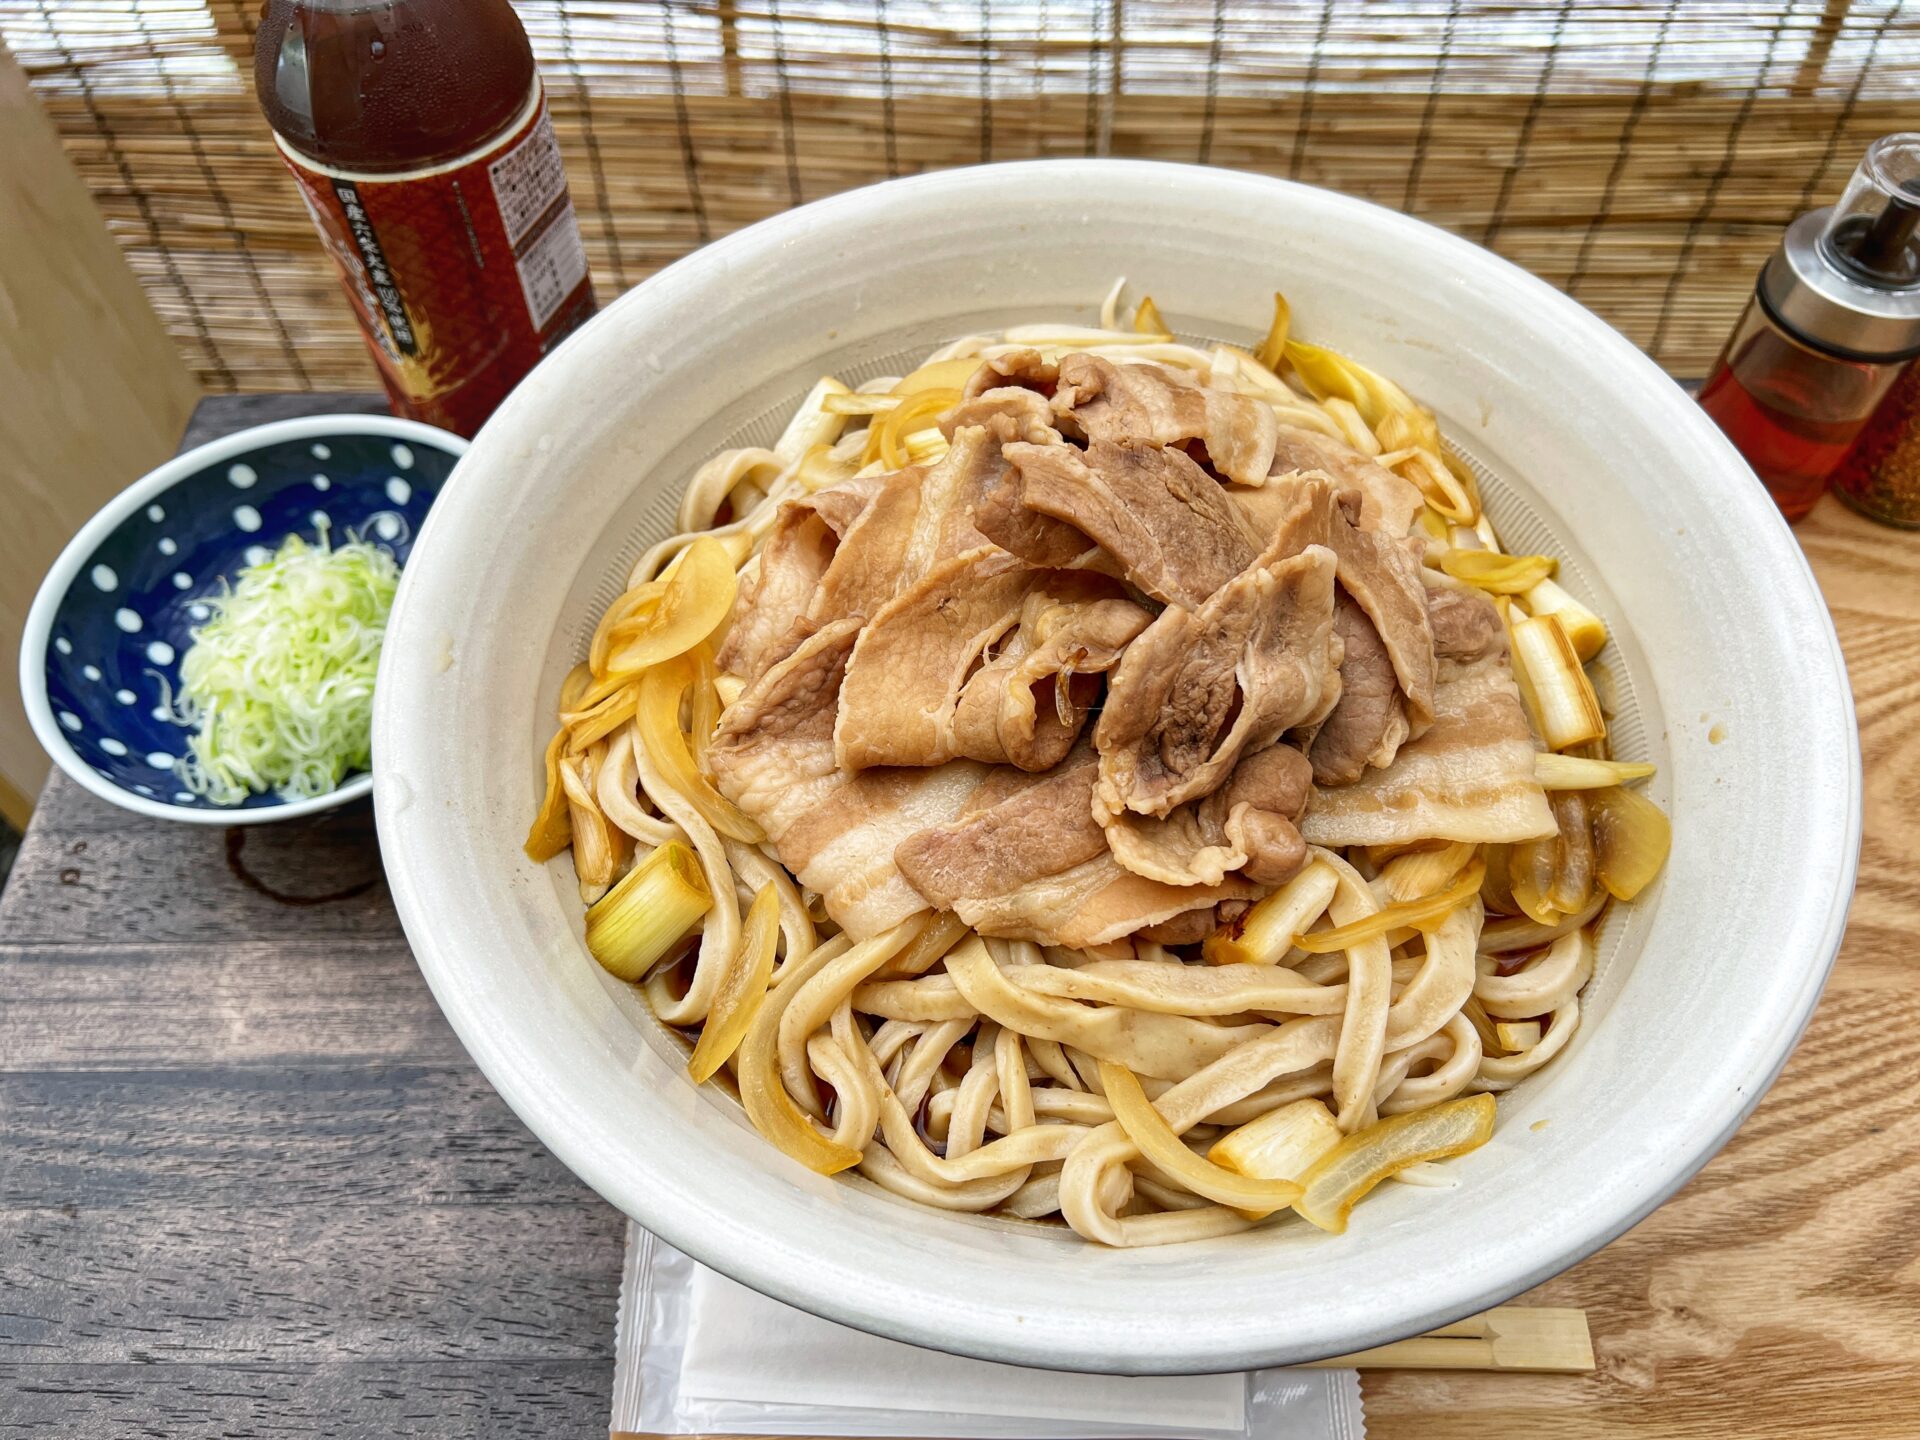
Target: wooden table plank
252,1183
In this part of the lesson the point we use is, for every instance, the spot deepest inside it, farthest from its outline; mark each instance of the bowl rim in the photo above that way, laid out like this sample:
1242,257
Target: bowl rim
521,1076
38,633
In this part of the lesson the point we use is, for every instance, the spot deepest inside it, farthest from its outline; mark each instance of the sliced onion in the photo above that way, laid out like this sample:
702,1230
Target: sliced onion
1344,1175
1499,574
741,990
1147,321
1631,839
1273,349
1423,914
1154,1138
657,720
552,829
764,1096
698,597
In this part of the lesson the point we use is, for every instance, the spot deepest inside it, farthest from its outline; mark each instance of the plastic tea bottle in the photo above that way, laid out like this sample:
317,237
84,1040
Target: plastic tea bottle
1834,319
418,133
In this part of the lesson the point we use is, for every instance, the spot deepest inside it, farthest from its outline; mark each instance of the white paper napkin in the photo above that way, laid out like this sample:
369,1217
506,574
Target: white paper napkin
697,1353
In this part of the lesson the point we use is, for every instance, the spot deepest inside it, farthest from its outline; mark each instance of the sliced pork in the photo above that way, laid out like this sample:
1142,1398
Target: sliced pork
1173,530
1469,777
773,757
1367,726
1387,502
1200,688
1247,825
1233,433
1026,707
779,590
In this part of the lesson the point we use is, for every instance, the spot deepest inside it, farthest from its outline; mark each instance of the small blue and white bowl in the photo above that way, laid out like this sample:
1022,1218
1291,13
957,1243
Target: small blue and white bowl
115,614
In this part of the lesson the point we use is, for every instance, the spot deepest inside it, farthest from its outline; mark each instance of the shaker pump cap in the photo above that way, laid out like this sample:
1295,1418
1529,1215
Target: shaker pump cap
1847,279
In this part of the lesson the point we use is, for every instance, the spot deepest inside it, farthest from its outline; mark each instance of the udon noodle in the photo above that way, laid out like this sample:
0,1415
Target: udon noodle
1067,960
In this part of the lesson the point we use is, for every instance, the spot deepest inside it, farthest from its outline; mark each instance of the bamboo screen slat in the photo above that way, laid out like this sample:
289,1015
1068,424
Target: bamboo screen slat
1641,154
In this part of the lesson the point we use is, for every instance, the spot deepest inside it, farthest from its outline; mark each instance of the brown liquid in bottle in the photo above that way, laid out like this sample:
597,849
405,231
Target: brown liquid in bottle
418,132
389,87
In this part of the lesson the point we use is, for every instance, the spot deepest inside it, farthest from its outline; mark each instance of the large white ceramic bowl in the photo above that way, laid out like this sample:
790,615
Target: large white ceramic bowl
1588,448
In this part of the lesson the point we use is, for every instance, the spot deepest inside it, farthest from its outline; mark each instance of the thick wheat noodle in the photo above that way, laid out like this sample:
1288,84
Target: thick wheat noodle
720,940
753,869
1457,1047
923,1062
1363,1026
617,787
1545,984
1499,1072
1378,1028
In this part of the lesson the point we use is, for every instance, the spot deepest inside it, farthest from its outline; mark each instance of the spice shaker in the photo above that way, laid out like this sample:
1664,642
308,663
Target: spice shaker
1880,476
1834,319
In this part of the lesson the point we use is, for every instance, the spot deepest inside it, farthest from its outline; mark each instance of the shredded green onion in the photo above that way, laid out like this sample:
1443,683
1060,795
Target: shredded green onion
279,682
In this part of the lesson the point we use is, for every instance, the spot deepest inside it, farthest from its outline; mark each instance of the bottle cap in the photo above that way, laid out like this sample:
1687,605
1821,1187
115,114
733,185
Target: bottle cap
1847,279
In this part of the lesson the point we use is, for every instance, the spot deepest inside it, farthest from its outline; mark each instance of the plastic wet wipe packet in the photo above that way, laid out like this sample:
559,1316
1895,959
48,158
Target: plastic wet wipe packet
696,1353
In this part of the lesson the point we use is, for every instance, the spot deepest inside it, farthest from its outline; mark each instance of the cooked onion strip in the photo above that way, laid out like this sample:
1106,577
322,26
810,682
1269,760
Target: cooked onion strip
1152,1136
741,990
1576,772
1423,914
1344,1175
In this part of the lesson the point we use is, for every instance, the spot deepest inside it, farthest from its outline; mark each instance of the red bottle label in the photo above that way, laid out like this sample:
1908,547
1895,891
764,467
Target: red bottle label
463,274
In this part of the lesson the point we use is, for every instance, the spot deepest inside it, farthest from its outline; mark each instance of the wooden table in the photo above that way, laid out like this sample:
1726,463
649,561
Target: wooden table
250,1182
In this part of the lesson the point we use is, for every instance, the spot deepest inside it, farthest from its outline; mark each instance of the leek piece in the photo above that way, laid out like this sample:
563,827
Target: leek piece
634,925
1577,772
1496,573
1264,934
1422,872
742,990
1423,914
811,424
278,683
1586,630
1154,1139
1555,685
861,403
658,721
1343,1176
1517,1035
1283,1144
1146,319
1631,839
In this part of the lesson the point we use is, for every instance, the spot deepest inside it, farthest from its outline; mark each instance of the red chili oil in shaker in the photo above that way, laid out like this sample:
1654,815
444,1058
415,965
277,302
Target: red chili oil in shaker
1833,321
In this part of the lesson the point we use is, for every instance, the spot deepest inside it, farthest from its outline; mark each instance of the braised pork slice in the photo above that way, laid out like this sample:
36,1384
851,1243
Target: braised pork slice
1200,688
1469,777
1035,866
1011,412
1465,624
1234,433
1168,524
773,757
1027,706
1024,369
1247,825
1387,502
779,589
1368,725
1382,574
918,517
1017,828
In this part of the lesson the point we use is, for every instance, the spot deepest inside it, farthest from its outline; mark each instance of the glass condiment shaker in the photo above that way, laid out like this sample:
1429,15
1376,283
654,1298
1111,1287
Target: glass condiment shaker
1834,319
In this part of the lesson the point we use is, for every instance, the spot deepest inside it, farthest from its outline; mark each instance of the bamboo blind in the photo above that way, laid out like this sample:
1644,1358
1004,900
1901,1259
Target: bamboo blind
1641,154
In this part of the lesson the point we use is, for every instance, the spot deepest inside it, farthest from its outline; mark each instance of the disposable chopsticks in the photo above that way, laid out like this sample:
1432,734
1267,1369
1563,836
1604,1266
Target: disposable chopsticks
1509,1337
